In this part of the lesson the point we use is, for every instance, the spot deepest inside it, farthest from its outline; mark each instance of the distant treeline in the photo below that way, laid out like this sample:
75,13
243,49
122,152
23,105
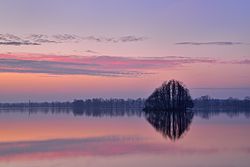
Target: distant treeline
87,104
201,102
206,107
204,102
91,107
203,106
37,104
208,102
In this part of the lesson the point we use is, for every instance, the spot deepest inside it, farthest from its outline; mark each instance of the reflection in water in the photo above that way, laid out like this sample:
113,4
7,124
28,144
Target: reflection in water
205,112
107,111
66,137
89,112
172,124
119,107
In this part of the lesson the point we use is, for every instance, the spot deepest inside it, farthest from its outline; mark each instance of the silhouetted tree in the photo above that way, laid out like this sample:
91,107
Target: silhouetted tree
170,96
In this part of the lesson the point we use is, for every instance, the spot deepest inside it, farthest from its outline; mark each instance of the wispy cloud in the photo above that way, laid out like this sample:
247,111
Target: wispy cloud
66,37
70,37
39,39
91,51
227,43
61,68
245,61
114,66
9,39
18,43
91,65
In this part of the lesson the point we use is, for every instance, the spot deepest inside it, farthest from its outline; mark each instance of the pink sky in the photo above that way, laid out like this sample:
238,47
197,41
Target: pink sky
41,77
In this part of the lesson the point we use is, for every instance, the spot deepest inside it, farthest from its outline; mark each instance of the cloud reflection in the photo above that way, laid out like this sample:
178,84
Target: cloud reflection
95,146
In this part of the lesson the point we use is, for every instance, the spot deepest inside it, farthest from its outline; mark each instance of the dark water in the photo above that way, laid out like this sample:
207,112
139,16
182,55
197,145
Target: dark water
46,137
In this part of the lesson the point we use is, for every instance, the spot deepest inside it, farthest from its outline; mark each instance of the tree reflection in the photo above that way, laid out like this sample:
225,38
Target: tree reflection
172,124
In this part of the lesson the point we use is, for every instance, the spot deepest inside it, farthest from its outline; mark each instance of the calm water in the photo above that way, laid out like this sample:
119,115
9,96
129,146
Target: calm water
49,139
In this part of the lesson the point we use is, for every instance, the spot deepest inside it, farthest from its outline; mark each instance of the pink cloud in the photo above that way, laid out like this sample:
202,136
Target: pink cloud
97,65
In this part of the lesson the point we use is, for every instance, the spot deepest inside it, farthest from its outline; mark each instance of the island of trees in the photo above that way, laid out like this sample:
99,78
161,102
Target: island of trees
171,96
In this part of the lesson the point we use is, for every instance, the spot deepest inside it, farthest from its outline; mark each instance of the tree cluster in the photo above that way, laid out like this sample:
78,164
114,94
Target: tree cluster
170,96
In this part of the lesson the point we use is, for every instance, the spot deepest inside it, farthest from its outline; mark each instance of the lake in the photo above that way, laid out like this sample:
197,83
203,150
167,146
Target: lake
49,138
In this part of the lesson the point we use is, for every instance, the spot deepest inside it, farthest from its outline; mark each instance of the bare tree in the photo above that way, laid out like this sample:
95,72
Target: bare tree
170,96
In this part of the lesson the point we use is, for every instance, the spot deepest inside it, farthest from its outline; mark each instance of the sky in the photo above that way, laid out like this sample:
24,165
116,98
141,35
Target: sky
62,50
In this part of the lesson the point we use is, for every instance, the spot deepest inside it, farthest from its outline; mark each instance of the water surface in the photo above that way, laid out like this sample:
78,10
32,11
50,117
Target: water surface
65,138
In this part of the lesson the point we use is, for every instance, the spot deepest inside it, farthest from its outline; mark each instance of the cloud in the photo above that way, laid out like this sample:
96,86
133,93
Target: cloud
132,39
226,43
114,66
111,66
66,37
60,68
115,40
91,51
9,39
39,39
17,43
246,61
